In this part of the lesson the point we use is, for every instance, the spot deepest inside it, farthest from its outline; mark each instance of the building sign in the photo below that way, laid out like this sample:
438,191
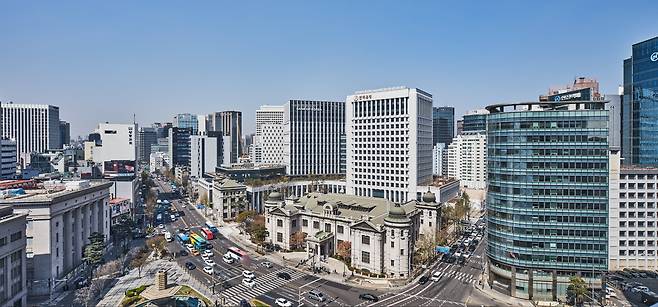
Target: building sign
314,109
654,57
118,169
582,94
362,97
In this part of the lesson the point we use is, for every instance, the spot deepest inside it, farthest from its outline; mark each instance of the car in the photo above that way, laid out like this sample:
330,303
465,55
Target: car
266,264
248,274
436,276
189,246
283,275
368,297
466,255
244,303
204,257
317,295
472,248
172,217
195,252
184,206
186,229
248,282
423,280
176,214
183,253
190,266
161,226
228,259
181,230
208,270
208,253
209,262
282,302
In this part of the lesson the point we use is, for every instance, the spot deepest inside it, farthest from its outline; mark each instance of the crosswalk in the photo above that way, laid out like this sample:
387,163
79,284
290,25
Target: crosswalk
453,274
264,284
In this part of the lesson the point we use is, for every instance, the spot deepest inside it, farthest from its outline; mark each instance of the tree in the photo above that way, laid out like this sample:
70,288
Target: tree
577,290
344,251
257,230
93,252
140,260
157,244
426,246
244,216
203,199
297,239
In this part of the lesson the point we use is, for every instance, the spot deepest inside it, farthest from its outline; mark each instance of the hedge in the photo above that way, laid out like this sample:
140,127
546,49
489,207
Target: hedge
135,291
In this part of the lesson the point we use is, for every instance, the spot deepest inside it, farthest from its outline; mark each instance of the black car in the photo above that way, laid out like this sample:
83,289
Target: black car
244,303
368,297
283,275
423,280
190,265
183,253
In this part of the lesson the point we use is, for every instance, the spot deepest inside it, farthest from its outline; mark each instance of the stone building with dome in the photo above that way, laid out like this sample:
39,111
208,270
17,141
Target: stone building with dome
382,234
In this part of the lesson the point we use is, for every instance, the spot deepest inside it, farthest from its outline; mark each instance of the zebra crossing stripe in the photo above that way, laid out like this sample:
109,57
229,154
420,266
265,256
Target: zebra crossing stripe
264,284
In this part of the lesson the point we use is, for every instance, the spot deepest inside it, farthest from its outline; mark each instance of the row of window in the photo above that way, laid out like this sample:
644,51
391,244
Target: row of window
567,191
561,232
550,124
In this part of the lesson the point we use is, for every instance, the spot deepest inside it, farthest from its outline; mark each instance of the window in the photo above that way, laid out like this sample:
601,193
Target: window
392,244
279,223
316,225
3,241
279,237
305,222
16,236
365,240
392,262
365,257
402,251
294,223
339,229
327,227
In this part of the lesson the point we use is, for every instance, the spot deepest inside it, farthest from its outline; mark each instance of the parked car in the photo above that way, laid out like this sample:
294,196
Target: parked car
283,275
368,297
209,262
228,259
208,253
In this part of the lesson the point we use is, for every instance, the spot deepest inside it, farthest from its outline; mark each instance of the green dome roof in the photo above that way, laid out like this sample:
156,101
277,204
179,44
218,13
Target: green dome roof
429,197
397,214
275,196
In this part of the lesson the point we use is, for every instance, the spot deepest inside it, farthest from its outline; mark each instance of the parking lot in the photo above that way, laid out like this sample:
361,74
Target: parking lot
637,286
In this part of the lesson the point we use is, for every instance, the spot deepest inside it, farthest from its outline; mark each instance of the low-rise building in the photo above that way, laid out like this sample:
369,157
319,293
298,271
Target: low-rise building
119,208
382,234
229,198
60,218
13,279
7,158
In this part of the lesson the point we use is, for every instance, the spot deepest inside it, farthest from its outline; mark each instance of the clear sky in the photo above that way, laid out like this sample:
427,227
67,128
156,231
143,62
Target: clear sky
105,60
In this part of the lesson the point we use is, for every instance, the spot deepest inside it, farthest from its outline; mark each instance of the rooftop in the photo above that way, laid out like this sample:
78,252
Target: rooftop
52,190
439,181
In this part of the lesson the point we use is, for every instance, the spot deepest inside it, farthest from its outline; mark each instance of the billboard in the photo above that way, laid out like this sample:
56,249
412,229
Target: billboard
582,94
118,169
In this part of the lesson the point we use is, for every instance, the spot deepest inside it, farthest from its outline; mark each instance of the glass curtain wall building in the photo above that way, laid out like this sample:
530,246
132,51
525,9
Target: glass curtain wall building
640,105
547,200
443,125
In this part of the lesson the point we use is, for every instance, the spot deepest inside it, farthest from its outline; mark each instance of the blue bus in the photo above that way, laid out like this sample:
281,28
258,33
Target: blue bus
212,227
184,239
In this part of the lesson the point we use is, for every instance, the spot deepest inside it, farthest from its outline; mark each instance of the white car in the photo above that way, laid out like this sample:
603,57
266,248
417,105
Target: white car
248,274
266,264
208,270
208,253
436,276
282,302
204,257
228,259
173,217
189,247
161,226
248,282
209,262
184,206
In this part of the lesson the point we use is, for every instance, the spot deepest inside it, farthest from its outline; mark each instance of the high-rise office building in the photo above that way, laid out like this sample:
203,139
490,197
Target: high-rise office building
475,121
202,124
467,159
34,127
443,125
7,158
117,142
146,137
639,116
389,143
187,120
64,132
440,160
314,137
206,153
460,126
179,146
268,115
582,89
268,141
231,126
547,199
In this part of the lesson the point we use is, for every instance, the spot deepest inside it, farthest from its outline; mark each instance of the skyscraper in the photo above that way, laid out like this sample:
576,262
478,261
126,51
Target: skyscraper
231,126
389,143
547,199
639,116
187,120
206,153
64,132
146,137
443,125
475,121
179,146
314,137
34,127
268,141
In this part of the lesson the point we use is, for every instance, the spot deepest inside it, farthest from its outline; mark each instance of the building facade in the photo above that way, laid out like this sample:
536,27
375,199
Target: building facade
206,153
633,226
231,127
389,143
314,137
60,219
64,132
467,160
475,121
117,142
187,120
439,160
547,198
639,130
443,125
229,198
382,235
146,137
179,146
13,263
7,158
34,127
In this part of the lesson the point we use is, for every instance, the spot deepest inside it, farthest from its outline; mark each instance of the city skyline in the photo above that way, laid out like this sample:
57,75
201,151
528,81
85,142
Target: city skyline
131,52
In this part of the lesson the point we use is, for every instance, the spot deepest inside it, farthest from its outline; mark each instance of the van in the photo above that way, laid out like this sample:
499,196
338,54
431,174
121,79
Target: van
317,295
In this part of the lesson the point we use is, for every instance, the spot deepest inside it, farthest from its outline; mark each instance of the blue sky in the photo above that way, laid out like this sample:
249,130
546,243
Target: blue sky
104,61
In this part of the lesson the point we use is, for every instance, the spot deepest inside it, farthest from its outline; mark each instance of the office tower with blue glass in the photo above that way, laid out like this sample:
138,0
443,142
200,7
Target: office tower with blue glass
187,120
640,105
547,201
443,125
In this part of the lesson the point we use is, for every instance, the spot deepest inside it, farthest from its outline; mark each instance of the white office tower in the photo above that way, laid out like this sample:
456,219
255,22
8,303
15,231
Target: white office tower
440,159
7,159
34,127
389,143
314,137
206,153
117,142
268,140
202,125
467,159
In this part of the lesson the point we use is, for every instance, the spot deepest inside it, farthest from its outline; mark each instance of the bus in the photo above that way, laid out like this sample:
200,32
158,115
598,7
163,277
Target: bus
198,242
184,239
168,236
236,253
212,227
207,233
